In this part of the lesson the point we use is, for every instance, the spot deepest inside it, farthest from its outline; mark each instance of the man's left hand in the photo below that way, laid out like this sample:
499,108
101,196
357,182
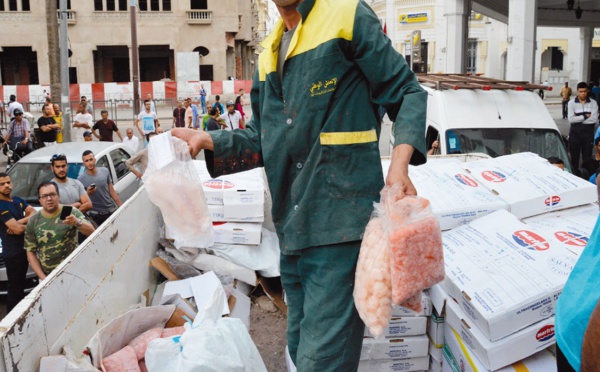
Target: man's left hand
398,172
71,220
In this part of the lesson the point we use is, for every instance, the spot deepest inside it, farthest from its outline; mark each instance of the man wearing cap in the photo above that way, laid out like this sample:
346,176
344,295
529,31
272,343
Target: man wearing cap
323,72
17,136
232,118
88,136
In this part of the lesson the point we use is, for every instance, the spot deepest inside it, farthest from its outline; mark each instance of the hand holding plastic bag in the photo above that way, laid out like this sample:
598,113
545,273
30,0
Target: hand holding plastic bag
416,253
174,186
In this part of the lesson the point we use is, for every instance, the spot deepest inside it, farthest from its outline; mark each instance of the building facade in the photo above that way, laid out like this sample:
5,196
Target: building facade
223,32
562,53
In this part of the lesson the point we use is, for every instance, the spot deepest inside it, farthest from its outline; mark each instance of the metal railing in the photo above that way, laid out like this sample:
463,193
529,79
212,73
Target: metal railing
199,17
71,16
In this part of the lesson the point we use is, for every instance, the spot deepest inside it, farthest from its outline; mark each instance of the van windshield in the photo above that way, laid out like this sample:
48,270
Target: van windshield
26,177
504,141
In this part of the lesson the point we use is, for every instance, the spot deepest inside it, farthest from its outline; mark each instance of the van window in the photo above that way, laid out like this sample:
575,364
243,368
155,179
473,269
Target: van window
504,141
119,157
431,136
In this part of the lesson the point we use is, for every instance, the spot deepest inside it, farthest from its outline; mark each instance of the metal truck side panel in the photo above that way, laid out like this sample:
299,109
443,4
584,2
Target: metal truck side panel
103,278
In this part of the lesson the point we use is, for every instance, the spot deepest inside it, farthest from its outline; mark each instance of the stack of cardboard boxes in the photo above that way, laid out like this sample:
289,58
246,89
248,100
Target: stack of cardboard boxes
236,204
495,310
404,345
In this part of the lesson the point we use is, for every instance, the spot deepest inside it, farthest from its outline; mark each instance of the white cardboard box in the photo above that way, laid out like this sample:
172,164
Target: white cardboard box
470,198
240,188
435,329
237,233
438,296
399,311
236,213
572,227
394,348
436,353
406,326
531,185
394,365
505,274
494,355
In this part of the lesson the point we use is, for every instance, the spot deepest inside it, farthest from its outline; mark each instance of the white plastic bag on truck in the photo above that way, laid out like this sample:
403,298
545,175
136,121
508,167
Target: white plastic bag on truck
173,185
213,343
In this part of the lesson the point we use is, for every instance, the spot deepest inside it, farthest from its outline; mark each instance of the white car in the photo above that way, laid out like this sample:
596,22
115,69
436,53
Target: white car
30,171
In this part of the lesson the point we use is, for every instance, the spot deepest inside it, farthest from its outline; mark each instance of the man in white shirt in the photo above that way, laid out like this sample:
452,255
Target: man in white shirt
83,122
149,121
233,118
12,105
583,116
131,141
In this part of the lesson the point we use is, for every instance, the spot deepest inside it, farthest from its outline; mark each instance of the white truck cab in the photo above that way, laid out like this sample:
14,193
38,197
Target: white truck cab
472,114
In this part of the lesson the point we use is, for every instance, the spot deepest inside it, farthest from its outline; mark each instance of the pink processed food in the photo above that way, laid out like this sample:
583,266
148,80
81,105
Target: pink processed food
140,343
416,254
175,331
123,360
372,290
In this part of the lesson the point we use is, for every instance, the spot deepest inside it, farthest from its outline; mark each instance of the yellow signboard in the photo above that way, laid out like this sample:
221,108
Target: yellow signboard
413,18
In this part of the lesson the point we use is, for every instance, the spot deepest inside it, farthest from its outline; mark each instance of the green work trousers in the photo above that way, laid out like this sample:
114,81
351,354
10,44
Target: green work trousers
324,331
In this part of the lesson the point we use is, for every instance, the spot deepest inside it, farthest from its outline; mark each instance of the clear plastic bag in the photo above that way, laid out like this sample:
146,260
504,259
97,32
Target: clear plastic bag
415,242
372,290
400,256
174,186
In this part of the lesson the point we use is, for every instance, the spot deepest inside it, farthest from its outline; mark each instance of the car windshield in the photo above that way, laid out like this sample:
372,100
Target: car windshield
504,141
26,177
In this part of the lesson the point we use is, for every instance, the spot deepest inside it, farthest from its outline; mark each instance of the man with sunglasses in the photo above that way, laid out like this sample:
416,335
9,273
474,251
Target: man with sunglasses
17,136
48,239
14,214
71,191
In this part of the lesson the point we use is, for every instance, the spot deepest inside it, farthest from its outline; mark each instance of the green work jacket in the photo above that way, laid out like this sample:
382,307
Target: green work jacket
316,130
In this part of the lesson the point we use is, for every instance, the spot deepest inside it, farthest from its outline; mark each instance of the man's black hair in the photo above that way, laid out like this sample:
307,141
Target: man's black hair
103,111
12,98
555,160
3,174
87,152
47,183
582,85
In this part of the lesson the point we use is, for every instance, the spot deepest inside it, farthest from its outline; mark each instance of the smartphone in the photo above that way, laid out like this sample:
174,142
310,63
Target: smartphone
93,186
66,211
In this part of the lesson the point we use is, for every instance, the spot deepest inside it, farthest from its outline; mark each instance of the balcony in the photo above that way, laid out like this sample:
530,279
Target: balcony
71,17
199,17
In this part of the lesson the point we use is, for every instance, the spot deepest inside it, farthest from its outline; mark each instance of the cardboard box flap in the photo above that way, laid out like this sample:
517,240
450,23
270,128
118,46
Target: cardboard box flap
274,290
164,268
121,330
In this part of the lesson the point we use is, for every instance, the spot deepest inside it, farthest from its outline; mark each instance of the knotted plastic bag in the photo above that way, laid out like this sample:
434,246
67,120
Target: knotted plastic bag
175,188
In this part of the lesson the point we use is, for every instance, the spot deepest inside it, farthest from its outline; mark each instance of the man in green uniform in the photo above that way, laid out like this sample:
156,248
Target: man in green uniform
324,71
48,239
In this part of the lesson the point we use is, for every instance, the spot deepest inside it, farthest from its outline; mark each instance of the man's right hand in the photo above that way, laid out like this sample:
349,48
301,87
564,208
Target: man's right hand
197,140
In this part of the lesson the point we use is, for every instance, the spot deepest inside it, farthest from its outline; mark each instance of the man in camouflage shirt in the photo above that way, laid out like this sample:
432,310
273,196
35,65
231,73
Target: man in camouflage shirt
48,239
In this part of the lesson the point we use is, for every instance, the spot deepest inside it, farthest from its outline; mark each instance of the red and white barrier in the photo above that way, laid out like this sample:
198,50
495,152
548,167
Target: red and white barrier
124,91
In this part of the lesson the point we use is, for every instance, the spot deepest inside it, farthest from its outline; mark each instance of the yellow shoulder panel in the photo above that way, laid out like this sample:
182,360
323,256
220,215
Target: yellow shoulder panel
328,20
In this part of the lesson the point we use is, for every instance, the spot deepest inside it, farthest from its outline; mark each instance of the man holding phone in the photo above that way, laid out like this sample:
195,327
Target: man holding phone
99,187
51,233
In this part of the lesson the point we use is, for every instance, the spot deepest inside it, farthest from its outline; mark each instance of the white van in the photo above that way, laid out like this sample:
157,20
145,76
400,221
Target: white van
471,114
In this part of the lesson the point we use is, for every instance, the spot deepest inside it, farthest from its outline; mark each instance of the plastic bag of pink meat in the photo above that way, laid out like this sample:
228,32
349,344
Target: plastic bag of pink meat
400,256
170,168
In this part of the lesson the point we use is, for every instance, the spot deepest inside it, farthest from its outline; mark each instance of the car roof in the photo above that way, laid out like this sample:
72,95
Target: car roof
72,150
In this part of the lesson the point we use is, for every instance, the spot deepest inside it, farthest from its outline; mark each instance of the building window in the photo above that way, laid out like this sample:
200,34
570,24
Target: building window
25,6
143,4
123,5
68,4
98,5
472,56
557,59
110,5
154,5
166,5
198,4
1,6
12,5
